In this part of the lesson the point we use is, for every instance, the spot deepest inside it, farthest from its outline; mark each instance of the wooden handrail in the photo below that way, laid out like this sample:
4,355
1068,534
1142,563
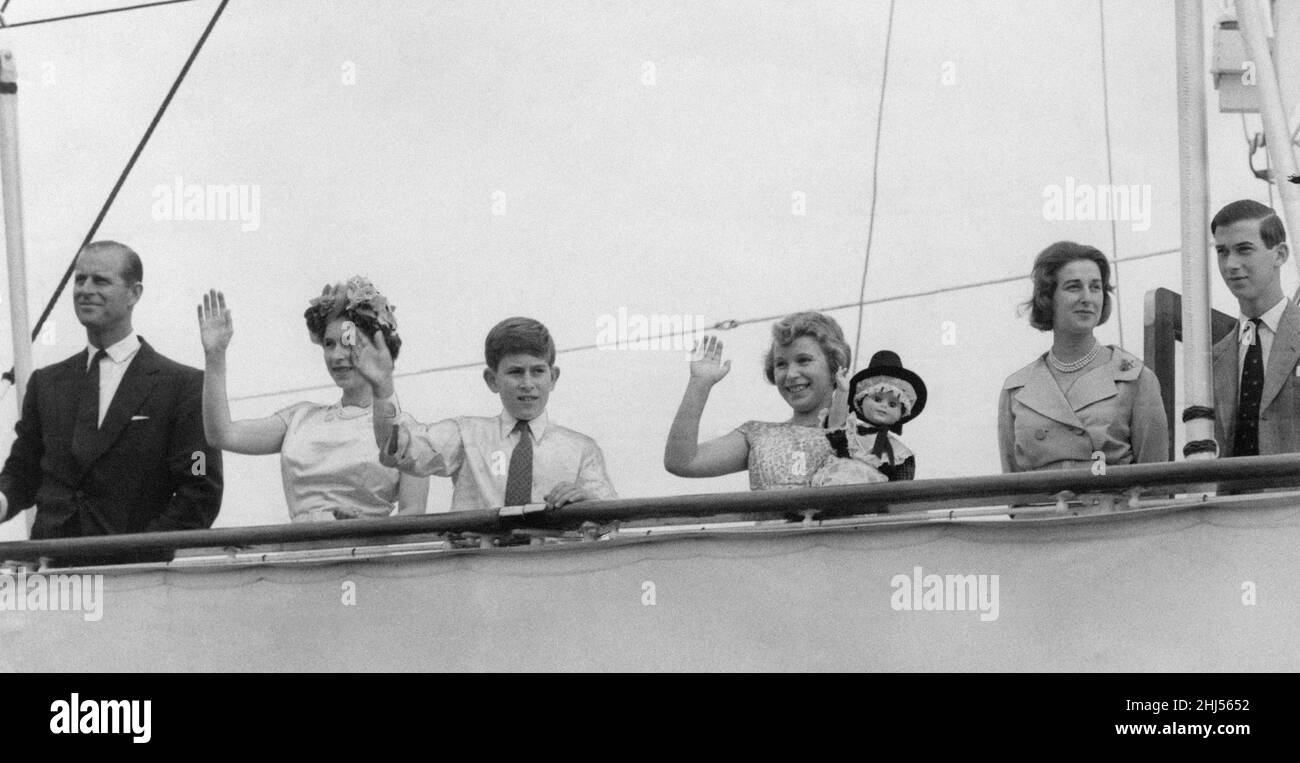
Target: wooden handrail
892,497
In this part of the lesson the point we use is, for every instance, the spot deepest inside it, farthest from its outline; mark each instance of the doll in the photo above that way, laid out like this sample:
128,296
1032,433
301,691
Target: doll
882,398
844,469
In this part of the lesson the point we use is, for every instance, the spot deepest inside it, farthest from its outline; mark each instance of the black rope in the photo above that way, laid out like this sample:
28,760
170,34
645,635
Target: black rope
121,179
1199,446
1197,412
92,13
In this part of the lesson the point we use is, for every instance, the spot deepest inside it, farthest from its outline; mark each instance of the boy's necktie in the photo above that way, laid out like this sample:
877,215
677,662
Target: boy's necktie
1246,440
87,423
519,480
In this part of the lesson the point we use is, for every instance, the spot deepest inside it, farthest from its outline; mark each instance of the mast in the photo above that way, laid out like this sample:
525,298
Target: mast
1272,110
1193,167
11,184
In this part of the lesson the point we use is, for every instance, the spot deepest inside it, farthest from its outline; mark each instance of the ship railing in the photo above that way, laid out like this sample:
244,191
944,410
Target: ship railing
1022,496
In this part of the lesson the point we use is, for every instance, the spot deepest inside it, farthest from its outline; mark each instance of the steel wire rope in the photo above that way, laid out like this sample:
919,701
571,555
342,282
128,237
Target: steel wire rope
875,174
86,14
725,325
1110,171
126,171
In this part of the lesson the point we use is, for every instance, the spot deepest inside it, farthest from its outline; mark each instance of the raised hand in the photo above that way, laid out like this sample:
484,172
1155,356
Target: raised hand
372,360
216,326
838,413
707,365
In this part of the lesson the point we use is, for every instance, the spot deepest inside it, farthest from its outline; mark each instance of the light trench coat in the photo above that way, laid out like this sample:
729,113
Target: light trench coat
1114,409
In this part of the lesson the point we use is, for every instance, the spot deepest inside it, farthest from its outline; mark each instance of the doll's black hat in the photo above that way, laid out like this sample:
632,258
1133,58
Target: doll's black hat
886,372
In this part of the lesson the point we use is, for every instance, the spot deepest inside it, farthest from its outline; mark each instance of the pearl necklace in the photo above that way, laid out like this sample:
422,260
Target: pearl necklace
1067,368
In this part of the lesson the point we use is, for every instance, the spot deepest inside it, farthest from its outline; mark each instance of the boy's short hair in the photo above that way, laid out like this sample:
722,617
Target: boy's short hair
823,328
518,336
1271,230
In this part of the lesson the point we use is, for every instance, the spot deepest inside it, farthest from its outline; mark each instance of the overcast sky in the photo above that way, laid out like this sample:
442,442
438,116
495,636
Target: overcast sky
571,160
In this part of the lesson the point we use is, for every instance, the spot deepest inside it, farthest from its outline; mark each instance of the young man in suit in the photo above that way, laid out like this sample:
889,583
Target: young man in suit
1255,366
111,440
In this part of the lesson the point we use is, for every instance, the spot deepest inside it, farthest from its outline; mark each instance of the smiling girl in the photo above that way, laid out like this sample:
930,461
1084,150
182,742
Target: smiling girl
808,358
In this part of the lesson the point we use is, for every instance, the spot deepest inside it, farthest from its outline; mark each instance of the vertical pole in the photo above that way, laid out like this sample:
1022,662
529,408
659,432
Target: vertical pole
11,185
1280,155
1193,165
1286,28
11,189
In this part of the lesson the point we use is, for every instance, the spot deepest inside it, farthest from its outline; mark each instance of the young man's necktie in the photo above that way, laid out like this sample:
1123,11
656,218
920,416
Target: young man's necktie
1246,440
87,423
519,480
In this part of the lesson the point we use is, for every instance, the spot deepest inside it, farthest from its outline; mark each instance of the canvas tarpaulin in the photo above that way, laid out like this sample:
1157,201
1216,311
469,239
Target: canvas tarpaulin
1196,589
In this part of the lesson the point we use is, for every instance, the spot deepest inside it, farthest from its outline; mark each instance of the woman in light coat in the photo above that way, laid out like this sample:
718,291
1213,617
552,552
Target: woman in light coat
1081,401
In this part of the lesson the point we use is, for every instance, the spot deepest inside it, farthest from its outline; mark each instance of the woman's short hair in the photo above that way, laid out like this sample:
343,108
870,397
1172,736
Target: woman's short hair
357,301
1047,264
823,328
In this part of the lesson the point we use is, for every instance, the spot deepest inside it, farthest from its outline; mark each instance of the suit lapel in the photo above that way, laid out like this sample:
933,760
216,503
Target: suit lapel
1282,355
1043,394
137,382
1227,378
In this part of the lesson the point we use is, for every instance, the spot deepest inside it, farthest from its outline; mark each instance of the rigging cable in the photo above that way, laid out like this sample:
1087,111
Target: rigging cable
91,13
1110,172
121,179
726,325
875,174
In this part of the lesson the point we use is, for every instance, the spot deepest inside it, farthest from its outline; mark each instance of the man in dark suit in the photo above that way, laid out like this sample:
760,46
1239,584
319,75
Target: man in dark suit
111,440
1255,366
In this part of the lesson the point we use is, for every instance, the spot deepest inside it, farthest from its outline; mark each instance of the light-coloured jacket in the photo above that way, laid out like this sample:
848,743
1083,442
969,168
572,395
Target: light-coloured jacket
1114,409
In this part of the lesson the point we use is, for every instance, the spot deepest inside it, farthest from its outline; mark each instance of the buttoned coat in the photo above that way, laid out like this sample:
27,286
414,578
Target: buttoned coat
1114,409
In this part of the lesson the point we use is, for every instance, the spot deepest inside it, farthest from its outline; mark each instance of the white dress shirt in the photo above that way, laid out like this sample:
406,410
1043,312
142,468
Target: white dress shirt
112,368
475,451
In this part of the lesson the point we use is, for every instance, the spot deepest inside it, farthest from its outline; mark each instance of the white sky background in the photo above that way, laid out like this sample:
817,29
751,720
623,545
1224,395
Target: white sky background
666,198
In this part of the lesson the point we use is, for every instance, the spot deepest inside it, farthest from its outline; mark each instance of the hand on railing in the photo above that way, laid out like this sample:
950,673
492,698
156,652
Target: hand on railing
565,493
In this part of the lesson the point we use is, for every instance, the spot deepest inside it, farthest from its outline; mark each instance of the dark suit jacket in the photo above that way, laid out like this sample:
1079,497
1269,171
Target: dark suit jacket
139,475
1279,405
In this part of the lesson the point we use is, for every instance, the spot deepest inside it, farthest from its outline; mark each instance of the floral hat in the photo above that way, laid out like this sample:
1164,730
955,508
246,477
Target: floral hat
358,299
